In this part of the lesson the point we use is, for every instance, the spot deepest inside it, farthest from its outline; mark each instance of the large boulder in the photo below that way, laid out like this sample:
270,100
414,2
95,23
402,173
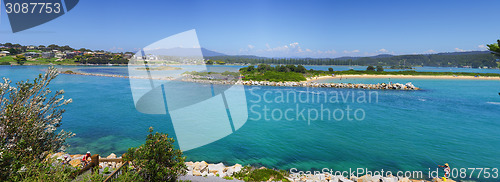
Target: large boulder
75,162
111,156
196,173
216,168
190,166
201,166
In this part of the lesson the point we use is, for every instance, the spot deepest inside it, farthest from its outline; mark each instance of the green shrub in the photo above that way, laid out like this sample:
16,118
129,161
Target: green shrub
29,121
128,174
106,170
275,76
4,63
250,174
48,170
380,68
157,159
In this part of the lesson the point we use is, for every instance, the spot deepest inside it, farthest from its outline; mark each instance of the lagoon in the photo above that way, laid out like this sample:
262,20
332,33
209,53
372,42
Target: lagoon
453,121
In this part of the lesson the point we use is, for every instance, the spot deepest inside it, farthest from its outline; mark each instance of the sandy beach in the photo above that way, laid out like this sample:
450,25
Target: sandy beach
338,77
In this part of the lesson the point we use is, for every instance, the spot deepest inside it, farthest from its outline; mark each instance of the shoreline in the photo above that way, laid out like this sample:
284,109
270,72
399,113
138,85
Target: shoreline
437,77
201,171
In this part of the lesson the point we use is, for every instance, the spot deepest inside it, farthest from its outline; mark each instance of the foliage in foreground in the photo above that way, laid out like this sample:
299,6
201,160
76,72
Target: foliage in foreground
494,48
157,159
48,170
29,118
250,174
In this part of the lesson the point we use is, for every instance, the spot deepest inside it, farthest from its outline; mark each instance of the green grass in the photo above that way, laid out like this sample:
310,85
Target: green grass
38,51
249,174
44,61
274,76
7,59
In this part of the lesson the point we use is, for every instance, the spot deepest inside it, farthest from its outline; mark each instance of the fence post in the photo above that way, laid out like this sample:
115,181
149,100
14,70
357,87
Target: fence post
94,163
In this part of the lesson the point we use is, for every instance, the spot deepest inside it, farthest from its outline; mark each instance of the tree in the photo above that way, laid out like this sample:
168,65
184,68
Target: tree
20,59
300,69
380,68
263,68
250,68
78,58
330,69
117,57
494,48
29,118
370,68
157,159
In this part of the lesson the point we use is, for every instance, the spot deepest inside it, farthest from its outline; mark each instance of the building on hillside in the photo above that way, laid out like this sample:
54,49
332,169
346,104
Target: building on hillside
127,56
60,55
69,55
31,55
48,55
100,54
4,53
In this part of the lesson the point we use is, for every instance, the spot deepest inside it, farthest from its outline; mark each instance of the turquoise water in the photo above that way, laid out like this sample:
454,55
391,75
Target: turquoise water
453,121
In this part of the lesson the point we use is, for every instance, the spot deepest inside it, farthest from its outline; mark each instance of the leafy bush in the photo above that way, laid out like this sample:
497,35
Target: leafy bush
4,63
157,159
48,170
275,76
370,68
250,174
20,59
29,119
380,68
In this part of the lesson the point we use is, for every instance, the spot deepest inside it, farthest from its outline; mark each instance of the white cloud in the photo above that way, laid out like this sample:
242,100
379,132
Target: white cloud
350,52
482,47
251,46
459,50
382,51
430,51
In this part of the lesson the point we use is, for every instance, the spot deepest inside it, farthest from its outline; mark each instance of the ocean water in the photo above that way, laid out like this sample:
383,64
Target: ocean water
449,121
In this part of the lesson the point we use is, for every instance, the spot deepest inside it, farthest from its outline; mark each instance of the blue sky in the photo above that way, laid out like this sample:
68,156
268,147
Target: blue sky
275,28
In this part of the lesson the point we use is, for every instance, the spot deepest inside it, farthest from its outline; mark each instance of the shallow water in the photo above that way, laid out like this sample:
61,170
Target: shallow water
454,121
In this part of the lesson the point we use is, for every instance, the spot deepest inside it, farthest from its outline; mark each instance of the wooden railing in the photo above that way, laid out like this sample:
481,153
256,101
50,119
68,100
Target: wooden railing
95,163
117,172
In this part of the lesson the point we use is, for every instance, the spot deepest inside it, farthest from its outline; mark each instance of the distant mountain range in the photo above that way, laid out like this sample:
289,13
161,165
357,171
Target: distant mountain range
183,52
209,53
474,59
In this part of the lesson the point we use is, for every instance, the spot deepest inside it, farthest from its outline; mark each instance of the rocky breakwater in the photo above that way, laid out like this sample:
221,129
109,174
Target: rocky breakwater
382,86
204,169
379,86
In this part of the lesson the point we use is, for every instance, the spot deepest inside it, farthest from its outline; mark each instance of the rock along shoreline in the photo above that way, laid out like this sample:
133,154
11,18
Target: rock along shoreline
378,86
203,171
